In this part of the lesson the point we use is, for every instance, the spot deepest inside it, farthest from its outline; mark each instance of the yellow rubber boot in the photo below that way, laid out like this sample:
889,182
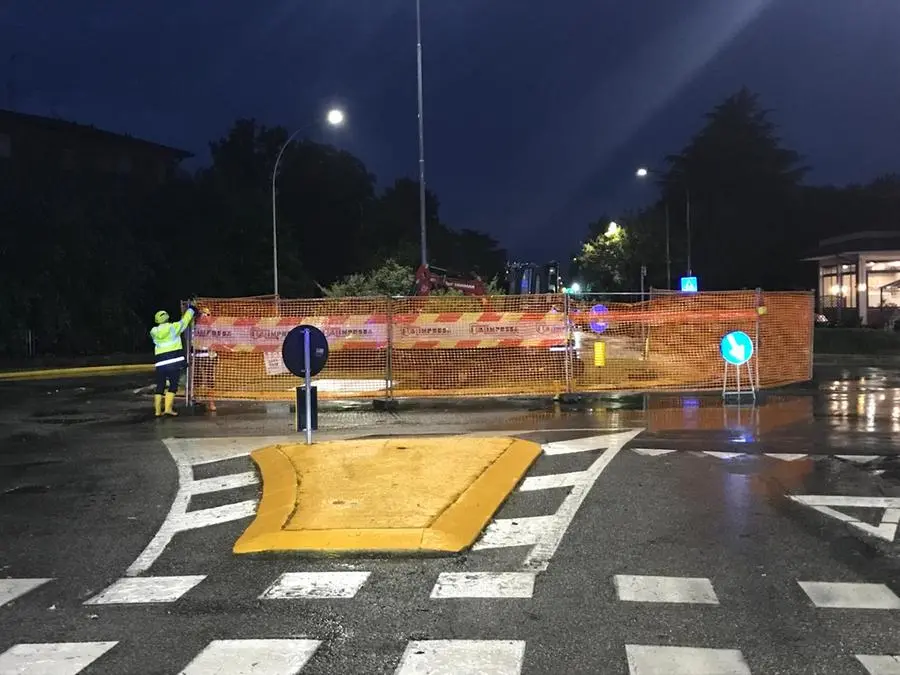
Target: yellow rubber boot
158,404
170,404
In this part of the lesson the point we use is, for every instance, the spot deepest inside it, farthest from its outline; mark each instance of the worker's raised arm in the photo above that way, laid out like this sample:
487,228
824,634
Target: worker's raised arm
180,326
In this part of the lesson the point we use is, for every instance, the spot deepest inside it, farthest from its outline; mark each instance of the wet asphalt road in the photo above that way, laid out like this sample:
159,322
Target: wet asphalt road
701,492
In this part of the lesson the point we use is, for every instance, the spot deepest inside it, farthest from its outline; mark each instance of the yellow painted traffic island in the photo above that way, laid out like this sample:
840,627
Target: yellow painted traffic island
383,495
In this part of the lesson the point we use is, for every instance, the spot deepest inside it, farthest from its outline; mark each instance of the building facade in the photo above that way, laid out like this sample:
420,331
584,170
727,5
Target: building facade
859,277
32,142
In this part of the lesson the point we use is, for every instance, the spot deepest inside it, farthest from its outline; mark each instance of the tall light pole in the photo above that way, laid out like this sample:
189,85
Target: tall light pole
421,133
643,172
334,118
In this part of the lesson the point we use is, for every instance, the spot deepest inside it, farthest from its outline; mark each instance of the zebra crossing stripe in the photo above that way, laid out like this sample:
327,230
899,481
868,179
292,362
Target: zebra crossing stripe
880,664
51,658
140,590
10,589
462,657
653,659
484,585
260,657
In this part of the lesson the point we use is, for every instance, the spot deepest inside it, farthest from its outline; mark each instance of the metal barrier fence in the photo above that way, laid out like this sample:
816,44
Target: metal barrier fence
499,345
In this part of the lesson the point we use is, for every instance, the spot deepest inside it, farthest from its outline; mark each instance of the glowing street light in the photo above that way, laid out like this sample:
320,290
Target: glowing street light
641,172
613,229
334,118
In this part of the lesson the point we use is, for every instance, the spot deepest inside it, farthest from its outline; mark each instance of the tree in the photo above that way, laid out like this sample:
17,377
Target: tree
743,186
389,279
605,259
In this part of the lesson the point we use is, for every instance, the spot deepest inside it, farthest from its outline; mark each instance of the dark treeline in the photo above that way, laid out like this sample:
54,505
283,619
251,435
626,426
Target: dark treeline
752,215
86,259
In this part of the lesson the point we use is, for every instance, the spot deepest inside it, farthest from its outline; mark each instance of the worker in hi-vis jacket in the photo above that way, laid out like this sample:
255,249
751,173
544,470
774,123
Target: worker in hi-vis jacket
169,356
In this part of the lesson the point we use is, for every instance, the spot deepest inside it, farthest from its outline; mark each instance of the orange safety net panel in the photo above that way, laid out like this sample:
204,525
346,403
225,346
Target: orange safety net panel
237,348
670,341
501,345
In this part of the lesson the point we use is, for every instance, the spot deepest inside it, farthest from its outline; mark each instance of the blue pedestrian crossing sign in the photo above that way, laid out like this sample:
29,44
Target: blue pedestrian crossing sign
689,284
736,348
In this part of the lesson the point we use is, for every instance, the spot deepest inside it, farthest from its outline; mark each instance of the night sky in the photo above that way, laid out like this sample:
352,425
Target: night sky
536,112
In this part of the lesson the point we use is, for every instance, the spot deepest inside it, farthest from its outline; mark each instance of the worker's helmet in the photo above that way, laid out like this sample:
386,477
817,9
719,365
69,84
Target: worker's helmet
161,316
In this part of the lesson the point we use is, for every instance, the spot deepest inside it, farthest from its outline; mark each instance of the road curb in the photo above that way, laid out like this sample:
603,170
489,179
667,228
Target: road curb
84,371
455,525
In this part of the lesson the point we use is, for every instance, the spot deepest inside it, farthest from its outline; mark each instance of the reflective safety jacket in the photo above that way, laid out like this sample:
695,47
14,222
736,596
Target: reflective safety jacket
167,346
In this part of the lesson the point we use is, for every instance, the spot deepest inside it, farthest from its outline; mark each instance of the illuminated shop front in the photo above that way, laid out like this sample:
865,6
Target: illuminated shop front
859,276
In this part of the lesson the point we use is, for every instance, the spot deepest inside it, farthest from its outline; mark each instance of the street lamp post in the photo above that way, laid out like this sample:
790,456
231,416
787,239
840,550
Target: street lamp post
643,172
335,118
421,132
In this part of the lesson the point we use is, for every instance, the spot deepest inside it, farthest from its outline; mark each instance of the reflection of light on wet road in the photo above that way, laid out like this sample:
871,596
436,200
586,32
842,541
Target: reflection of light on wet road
868,403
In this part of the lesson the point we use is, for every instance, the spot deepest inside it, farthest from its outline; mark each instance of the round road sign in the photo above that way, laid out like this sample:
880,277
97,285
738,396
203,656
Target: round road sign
292,351
736,348
598,325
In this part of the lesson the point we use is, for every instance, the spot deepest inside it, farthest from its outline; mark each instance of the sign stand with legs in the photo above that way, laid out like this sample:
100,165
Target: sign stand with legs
737,350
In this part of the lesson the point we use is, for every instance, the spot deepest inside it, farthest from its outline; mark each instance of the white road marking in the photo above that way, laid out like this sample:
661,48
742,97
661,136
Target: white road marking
10,589
583,444
652,452
230,482
721,455
786,457
886,530
880,664
665,589
252,657
188,453
539,557
505,532
859,459
553,480
850,596
462,657
484,585
316,585
658,660
51,658
140,590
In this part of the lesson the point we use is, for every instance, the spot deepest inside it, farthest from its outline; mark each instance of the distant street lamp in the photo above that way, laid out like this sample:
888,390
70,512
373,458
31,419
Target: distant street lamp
335,118
613,229
643,172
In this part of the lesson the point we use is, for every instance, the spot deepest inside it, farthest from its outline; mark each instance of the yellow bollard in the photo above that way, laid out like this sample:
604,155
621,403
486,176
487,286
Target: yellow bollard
599,353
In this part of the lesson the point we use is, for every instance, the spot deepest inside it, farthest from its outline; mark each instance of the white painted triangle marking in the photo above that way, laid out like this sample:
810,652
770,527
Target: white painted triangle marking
588,443
652,452
722,455
787,457
886,530
859,459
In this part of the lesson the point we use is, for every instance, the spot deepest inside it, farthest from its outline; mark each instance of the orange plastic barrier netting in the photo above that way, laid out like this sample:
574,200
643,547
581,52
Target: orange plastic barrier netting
501,345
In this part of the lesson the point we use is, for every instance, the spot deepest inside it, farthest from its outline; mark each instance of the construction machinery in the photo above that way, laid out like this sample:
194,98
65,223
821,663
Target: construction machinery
430,279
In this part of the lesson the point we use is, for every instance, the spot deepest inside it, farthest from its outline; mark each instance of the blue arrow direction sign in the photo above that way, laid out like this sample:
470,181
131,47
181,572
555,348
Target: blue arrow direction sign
597,325
736,348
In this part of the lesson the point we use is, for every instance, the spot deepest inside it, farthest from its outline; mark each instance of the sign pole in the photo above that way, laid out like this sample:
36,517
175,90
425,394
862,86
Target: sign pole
307,379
